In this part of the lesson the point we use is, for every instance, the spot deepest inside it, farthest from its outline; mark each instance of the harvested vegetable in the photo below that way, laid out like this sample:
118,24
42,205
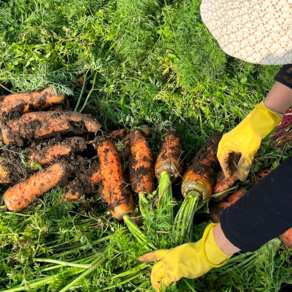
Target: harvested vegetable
118,135
141,164
197,185
24,193
119,198
141,175
27,102
216,210
223,184
43,154
260,174
45,125
95,174
168,166
169,158
286,238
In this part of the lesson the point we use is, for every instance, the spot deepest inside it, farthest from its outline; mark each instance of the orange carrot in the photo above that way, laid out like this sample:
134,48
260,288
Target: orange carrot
286,238
141,164
146,130
22,194
95,176
169,158
27,102
260,174
47,154
119,198
200,175
4,175
216,210
223,184
45,125
73,191
118,135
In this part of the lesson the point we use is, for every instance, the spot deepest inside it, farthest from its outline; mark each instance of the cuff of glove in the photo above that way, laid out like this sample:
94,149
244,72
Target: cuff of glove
213,255
263,106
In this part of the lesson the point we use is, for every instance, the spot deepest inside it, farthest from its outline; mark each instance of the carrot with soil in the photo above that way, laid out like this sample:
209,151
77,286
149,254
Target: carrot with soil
4,174
74,190
168,167
142,176
45,125
24,193
197,185
44,154
216,210
27,102
223,184
286,238
119,198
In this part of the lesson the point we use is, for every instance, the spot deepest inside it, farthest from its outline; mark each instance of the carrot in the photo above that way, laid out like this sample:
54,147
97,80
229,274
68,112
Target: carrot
22,194
45,125
197,184
260,174
169,158
27,102
223,184
118,135
141,164
119,198
216,210
146,130
4,175
47,154
286,238
73,191
95,176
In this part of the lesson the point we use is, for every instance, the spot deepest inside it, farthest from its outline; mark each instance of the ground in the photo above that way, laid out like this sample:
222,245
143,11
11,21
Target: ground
144,61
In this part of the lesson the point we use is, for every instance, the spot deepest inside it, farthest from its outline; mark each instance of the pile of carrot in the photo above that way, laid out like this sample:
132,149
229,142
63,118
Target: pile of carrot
56,140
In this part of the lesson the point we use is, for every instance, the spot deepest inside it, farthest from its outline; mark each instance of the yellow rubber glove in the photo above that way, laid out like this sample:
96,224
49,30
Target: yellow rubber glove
190,260
246,139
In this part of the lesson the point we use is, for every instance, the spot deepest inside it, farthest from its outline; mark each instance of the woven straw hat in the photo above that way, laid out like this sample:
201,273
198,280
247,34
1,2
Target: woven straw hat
255,31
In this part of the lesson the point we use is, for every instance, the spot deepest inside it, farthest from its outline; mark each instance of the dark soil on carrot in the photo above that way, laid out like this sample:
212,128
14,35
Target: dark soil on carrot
23,130
205,161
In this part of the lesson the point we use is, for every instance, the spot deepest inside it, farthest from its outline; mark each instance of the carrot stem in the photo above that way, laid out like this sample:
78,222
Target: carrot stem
62,263
136,232
183,221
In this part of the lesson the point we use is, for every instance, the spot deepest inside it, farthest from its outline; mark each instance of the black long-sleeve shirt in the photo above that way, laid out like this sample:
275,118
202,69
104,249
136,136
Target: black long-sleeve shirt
265,211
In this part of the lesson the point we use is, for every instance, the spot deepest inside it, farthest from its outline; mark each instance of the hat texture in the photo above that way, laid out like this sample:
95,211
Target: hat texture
255,31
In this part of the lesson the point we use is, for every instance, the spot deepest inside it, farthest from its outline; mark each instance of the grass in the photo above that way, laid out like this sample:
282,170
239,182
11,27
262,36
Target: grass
144,61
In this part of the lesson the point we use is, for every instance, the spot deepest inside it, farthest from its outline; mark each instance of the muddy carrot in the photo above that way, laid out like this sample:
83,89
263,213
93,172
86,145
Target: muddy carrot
168,167
24,193
47,154
286,238
45,125
197,185
216,210
74,190
169,159
119,198
260,174
141,164
27,102
223,184
95,175
118,135
4,175
146,130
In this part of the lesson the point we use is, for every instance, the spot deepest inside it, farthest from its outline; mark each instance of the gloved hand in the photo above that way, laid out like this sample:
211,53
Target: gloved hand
190,260
245,139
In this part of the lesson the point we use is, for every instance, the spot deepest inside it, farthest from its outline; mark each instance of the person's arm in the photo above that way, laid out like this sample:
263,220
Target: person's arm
245,139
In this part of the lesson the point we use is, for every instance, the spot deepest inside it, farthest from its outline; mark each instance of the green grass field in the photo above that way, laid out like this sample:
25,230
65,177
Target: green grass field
143,61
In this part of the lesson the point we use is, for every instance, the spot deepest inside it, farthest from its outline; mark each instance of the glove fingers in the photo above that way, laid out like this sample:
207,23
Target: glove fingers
157,275
223,158
153,256
243,167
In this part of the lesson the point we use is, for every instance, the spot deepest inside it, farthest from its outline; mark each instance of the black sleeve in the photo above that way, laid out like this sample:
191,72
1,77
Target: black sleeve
285,75
263,213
